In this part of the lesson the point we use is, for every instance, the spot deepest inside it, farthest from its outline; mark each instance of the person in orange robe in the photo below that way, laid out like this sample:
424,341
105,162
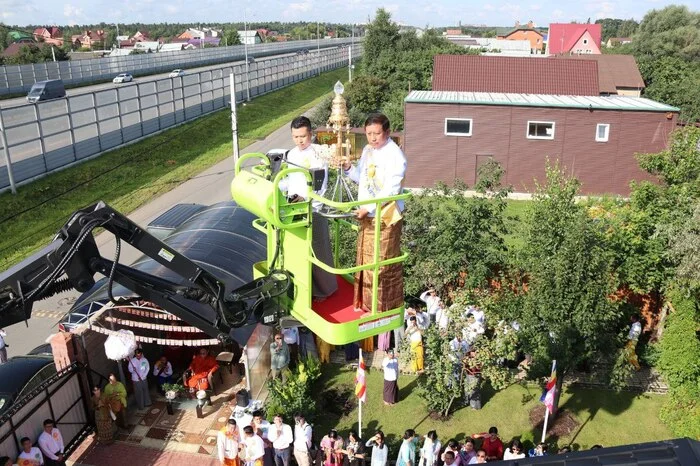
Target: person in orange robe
202,365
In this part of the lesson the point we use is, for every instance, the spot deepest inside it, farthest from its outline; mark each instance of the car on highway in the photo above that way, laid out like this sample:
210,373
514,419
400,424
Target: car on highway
303,52
123,78
46,90
22,374
176,73
251,60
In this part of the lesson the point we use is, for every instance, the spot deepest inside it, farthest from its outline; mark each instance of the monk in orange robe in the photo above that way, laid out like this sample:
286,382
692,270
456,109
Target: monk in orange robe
202,365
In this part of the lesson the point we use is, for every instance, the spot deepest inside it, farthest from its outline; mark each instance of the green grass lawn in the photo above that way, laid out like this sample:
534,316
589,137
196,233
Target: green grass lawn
131,176
604,417
514,215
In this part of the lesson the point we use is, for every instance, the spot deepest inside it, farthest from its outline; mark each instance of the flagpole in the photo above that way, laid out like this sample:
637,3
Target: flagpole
546,408
359,401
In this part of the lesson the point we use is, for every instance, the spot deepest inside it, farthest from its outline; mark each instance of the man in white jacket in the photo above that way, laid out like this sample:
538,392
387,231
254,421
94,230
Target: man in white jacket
139,369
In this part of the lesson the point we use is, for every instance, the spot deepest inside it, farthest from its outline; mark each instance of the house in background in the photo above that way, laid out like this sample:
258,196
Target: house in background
453,32
615,41
475,73
449,135
141,36
491,46
20,37
527,32
49,35
574,39
89,39
617,74
250,37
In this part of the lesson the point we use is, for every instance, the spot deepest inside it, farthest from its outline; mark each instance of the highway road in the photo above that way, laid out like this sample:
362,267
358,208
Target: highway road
209,187
17,101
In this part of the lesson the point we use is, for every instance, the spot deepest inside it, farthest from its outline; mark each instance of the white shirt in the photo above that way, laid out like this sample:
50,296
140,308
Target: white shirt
227,447
295,183
430,451
280,440
422,320
635,331
379,173
139,368
264,427
432,303
2,338
391,369
254,448
291,335
51,443
477,313
509,455
442,318
167,372
379,455
302,437
34,455
472,332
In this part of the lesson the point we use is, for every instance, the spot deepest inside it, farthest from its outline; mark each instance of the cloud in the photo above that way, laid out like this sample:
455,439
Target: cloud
172,9
488,7
535,7
512,10
558,14
600,9
70,10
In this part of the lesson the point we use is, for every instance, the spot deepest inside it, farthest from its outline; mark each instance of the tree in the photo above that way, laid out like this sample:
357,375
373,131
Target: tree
670,80
231,37
366,93
382,35
567,314
671,32
455,240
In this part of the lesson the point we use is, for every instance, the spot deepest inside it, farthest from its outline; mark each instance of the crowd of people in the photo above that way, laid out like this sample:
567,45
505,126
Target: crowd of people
265,444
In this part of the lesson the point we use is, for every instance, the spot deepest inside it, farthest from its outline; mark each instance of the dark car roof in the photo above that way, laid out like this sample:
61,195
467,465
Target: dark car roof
19,370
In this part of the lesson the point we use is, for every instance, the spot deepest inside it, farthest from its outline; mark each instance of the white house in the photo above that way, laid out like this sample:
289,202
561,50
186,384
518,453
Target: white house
250,37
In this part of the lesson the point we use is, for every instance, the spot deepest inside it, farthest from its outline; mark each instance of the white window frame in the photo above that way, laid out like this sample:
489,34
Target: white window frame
606,138
471,127
547,138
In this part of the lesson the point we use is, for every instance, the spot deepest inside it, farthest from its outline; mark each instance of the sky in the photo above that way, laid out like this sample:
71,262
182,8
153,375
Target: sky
411,12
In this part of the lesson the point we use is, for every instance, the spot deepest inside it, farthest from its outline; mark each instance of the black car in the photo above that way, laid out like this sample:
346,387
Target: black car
22,374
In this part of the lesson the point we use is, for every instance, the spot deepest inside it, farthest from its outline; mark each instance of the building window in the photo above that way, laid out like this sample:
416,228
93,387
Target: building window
458,126
585,41
602,132
540,130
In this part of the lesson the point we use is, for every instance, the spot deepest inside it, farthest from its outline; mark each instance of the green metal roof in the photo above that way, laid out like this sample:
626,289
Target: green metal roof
639,104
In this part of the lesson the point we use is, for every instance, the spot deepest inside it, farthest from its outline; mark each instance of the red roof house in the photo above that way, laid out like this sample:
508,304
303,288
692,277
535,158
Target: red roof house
574,38
520,75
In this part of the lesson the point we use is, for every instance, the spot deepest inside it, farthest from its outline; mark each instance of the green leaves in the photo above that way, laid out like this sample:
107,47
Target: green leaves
294,395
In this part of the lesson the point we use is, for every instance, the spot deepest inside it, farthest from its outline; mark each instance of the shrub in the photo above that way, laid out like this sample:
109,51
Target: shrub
294,394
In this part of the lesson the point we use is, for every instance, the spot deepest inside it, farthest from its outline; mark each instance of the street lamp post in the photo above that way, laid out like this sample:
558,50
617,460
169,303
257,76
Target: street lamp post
245,48
318,49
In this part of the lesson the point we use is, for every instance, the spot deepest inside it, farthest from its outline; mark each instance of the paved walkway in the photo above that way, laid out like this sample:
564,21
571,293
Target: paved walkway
155,437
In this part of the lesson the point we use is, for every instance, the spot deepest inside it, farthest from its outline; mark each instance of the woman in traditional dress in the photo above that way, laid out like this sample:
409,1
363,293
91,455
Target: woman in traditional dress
332,446
390,364
415,337
103,419
380,452
430,452
407,452
324,350
354,451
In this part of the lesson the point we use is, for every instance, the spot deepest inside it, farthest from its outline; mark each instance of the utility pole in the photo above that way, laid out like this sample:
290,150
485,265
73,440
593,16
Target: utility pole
117,35
245,48
352,43
234,118
318,49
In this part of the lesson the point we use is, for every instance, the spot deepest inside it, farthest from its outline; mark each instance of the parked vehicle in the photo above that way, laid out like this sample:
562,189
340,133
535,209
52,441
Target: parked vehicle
303,52
251,60
176,73
123,78
42,350
22,374
46,90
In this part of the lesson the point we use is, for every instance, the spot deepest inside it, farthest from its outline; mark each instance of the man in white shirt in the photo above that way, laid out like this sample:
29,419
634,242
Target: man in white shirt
227,444
291,338
302,441
632,339
473,329
432,302
254,447
139,369
379,173
478,314
306,155
280,434
3,346
51,444
442,317
31,455
458,349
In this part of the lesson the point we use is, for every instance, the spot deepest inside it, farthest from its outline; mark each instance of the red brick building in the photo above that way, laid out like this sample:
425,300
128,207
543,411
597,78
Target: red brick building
448,135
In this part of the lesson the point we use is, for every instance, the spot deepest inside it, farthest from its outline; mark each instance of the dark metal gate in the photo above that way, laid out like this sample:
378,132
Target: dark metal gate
62,398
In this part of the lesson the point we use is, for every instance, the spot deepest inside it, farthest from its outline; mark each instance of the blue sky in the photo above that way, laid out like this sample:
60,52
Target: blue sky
412,12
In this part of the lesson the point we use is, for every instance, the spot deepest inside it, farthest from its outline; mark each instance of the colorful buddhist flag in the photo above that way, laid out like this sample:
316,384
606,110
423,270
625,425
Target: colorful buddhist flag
360,382
550,389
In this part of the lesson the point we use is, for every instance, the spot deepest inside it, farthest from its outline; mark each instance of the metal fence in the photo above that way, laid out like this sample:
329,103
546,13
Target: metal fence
61,398
36,139
17,79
